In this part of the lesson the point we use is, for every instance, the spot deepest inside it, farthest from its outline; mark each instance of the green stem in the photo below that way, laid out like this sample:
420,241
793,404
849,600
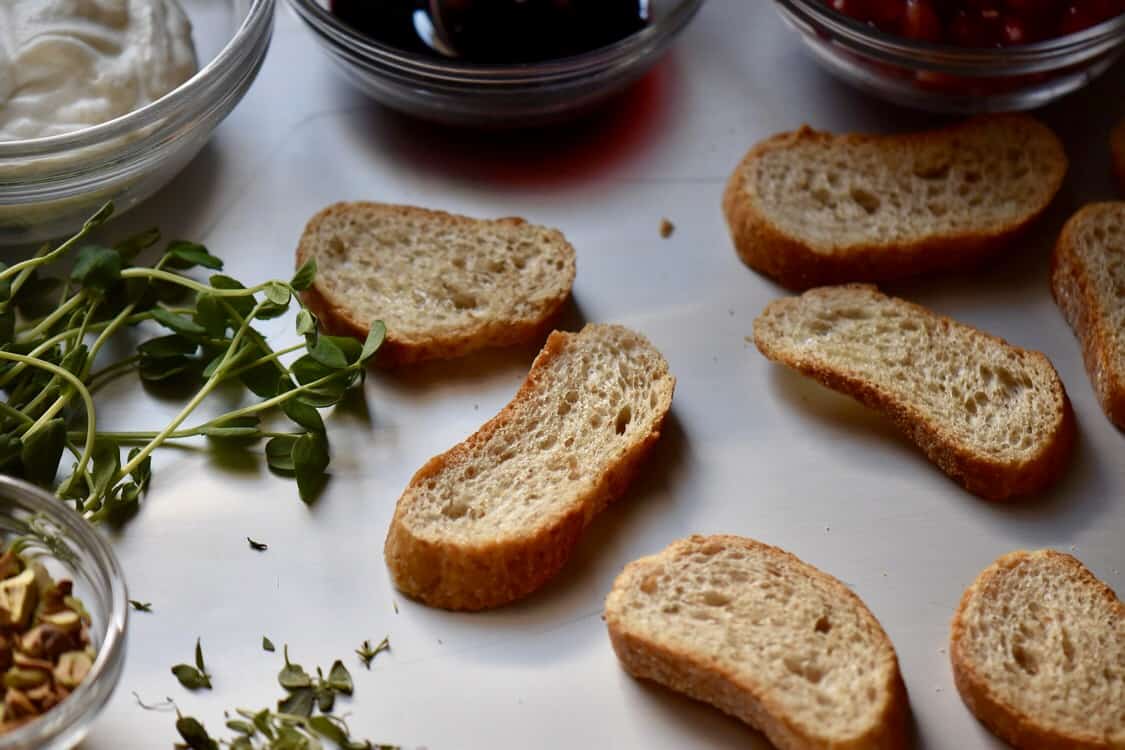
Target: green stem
78,387
197,399
46,323
278,399
271,357
16,414
152,273
27,266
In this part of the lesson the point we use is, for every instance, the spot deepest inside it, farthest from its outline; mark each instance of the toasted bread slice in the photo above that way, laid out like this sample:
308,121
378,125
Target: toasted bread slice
445,285
810,208
994,417
765,637
497,516
1088,281
1117,146
1038,652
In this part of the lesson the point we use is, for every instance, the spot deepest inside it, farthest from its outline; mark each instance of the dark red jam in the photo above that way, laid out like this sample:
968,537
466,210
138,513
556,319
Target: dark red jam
980,23
495,31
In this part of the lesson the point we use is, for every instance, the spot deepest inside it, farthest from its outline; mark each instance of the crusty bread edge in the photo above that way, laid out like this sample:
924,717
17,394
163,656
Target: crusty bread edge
1077,298
456,577
766,248
397,350
981,475
1001,718
702,679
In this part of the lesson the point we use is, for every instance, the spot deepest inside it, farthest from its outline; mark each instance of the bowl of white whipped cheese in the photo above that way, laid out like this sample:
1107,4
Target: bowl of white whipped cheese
106,100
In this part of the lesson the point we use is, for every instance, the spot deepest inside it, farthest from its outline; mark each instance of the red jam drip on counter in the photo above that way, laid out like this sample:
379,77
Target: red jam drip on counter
494,31
980,23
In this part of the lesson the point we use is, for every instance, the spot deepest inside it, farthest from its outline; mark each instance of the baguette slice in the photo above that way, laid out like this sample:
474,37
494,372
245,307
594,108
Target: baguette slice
810,208
1088,281
1038,652
765,637
994,417
445,285
1117,146
497,516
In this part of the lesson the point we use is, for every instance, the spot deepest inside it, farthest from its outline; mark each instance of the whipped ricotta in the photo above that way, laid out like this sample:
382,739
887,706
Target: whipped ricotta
69,64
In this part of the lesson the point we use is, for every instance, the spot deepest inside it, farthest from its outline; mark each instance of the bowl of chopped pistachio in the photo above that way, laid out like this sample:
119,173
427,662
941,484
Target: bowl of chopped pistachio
63,614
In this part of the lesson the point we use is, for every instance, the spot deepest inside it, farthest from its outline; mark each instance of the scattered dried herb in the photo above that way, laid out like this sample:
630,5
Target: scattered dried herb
140,606
193,678
258,546
267,644
367,654
295,725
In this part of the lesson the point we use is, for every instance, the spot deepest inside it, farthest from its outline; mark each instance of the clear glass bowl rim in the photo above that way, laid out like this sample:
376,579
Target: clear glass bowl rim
91,694
1041,56
365,51
193,94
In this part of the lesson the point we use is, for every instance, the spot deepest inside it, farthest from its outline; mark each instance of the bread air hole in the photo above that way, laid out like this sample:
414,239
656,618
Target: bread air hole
715,598
809,672
867,200
823,625
623,418
1025,659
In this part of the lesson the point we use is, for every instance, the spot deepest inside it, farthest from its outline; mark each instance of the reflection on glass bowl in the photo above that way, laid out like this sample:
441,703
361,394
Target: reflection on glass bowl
946,78
50,186
496,95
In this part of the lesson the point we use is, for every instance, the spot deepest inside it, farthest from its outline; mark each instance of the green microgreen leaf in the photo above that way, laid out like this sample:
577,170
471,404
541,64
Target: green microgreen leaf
267,645
131,247
376,334
306,323
257,546
278,293
328,353
325,697
177,323
236,428
302,414
186,255
310,459
172,346
304,277
140,606
97,268
242,305
242,727
42,450
279,453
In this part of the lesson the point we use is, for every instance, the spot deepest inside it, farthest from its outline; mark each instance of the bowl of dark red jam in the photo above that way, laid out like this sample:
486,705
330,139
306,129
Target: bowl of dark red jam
495,63
962,56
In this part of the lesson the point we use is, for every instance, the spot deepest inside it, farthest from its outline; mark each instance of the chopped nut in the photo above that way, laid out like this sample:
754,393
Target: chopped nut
48,641
46,696
72,668
18,597
24,678
17,706
10,564
65,620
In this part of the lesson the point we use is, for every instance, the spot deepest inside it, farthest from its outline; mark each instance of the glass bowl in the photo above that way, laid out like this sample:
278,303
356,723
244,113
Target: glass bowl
69,547
494,96
945,78
50,186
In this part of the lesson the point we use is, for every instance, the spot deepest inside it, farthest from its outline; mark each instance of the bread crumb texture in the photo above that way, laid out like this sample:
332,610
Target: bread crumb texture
764,636
443,284
1038,651
492,518
837,191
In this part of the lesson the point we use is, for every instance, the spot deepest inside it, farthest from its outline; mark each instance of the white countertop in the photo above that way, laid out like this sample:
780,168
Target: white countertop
750,448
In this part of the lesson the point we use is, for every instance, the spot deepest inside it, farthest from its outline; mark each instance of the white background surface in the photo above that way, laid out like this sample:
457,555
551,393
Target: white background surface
750,449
